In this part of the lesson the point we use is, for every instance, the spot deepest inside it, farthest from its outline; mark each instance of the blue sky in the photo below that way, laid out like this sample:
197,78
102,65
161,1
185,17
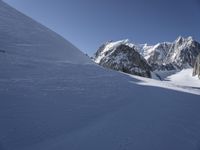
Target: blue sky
89,23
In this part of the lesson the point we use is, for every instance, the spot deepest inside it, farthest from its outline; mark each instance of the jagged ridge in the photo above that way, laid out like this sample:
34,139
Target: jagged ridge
166,56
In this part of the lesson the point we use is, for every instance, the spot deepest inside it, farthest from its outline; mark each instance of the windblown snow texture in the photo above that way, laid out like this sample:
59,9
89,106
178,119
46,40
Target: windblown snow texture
53,98
22,36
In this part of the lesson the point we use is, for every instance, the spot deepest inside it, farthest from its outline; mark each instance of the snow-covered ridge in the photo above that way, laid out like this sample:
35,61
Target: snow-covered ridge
165,58
23,37
181,53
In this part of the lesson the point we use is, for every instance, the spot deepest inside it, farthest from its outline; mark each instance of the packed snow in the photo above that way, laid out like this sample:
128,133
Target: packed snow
53,98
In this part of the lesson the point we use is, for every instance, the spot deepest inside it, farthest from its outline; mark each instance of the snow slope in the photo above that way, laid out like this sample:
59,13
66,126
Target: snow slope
180,81
185,78
22,36
53,98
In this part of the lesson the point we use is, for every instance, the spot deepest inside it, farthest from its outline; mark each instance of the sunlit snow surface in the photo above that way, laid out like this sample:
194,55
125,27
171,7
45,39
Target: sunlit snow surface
180,81
72,106
53,98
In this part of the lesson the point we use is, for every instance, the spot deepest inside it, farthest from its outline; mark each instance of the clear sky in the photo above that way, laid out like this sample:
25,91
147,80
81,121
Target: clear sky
89,23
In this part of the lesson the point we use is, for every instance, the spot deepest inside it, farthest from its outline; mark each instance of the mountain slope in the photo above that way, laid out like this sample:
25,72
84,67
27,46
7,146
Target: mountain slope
178,54
122,57
22,36
183,52
161,58
55,99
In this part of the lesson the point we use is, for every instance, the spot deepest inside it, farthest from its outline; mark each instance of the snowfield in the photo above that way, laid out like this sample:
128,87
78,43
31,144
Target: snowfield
185,78
72,106
179,81
52,97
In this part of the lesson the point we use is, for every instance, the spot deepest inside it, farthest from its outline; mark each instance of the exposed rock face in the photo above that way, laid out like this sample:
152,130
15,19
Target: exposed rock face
183,52
122,57
158,53
166,56
196,70
176,55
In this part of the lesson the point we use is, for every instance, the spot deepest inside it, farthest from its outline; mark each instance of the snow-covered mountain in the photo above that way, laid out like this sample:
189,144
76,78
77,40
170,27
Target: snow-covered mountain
183,52
52,97
166,56
121,56
154,54
178,54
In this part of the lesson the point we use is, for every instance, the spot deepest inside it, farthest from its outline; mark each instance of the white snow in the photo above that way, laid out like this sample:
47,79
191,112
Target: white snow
22,36
53,98
111,46
185,78
180,81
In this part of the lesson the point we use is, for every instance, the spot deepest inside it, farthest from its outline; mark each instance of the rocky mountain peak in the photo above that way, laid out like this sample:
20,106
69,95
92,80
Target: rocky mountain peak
165,56
179,40
122,56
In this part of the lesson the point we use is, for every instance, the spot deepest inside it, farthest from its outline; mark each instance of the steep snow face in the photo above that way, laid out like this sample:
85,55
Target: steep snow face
23,37
122,56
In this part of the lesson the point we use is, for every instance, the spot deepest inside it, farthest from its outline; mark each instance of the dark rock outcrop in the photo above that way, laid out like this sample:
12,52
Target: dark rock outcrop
196,70
123,58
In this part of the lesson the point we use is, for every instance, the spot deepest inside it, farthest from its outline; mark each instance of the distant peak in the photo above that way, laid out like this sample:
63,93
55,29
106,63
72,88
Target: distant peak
190,38
180,39
124,41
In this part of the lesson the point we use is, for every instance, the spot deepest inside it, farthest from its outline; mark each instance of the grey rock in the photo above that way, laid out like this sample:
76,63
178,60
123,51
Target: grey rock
183,52
126,59
160,52
179,54
142,59
196,70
